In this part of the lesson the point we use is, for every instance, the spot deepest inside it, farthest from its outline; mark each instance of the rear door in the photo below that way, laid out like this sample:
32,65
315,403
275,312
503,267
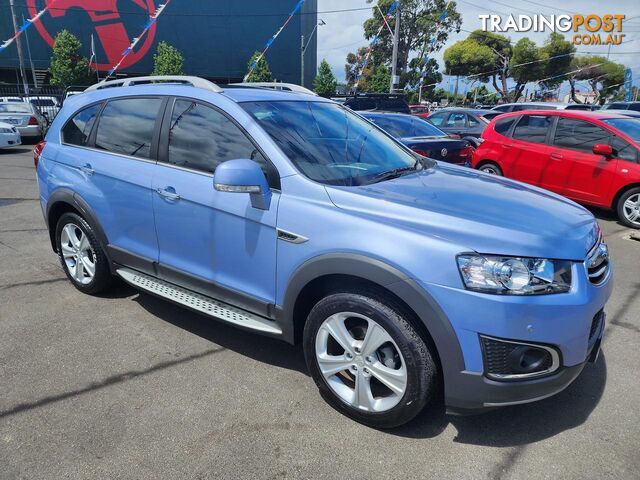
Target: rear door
527,153
581,174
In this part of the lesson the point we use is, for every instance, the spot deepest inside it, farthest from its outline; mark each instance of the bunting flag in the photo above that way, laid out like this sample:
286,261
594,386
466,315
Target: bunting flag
26,25
152,19
432,45
365,59
254,64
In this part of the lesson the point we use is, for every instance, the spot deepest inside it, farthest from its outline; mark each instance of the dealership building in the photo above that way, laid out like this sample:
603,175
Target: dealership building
216,38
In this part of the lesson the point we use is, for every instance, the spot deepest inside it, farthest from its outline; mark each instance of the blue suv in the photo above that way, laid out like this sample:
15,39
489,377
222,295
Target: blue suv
289,215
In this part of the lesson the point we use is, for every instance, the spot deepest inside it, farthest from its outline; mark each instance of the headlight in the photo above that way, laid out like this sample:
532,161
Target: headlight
514,275
6,130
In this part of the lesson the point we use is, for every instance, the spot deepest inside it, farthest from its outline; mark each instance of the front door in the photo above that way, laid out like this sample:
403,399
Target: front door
212,242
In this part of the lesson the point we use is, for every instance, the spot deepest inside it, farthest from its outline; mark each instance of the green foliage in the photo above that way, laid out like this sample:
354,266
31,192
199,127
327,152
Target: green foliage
325,82
167,61
380,80
605,78
431,78
531,67
468,57
556,66
68,67
261,73
351,67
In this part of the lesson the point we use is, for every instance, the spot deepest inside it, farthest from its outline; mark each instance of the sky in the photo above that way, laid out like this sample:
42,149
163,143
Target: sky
343,32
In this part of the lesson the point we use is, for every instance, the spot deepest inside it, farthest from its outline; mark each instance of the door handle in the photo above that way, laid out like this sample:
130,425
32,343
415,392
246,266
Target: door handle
86,168
556,156
164,192
506,145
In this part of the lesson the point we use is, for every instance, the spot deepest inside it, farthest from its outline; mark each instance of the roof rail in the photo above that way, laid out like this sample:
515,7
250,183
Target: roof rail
287,87
182,79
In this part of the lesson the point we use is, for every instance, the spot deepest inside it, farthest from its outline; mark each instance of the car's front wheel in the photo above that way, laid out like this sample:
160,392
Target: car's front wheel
81,255
628,208
367,360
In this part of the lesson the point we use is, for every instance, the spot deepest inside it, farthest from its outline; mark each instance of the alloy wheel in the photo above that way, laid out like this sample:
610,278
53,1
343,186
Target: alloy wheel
78,254
490,169
631,209
360,362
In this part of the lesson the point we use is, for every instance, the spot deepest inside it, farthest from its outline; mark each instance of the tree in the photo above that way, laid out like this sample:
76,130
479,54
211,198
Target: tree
352,66
325,82
604,77
559,53
431,75
68,67
530,67
261,72
167,61
379,81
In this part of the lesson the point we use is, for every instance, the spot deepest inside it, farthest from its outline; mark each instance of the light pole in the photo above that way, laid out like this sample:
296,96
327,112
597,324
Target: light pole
394,55
303,49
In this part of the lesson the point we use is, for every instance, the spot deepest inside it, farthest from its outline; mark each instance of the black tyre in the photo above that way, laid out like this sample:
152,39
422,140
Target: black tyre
367,360
628,208
491,168
81,255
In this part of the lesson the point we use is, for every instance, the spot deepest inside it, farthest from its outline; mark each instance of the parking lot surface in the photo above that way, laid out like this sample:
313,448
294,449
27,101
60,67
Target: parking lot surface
126,385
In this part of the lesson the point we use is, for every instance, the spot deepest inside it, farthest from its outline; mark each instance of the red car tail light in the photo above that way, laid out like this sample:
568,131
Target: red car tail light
33,121
420,152
466,152
37,151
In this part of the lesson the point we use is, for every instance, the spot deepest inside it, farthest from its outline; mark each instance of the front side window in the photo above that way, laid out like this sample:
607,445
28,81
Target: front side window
579,135
329,144
76,131
624,150
456,120
532,128
201,138
126,126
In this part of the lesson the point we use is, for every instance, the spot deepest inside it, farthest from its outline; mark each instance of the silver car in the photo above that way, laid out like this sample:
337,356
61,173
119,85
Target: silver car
25,117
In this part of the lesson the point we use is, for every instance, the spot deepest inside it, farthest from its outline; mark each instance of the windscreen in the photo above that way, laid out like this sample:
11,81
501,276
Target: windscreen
629,126
328,143
14,108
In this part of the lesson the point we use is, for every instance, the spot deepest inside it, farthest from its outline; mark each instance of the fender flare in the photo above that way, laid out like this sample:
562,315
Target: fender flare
65,195
400,284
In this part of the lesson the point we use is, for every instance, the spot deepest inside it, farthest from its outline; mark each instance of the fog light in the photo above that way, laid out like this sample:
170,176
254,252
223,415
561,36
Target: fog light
524,359
512,360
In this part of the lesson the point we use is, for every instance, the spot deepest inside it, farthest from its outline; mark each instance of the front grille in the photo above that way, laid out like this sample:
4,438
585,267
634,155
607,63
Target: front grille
598,263
499,365
595,326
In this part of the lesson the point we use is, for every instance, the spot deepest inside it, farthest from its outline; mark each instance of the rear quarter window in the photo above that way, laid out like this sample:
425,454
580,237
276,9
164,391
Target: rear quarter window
503,125
76,131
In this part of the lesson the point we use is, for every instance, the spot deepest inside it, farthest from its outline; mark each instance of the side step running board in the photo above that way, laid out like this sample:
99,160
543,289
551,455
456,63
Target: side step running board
200,303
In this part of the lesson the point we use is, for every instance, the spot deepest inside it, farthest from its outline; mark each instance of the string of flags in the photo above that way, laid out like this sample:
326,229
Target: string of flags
432,46
152,19
374,40
27,23
254,64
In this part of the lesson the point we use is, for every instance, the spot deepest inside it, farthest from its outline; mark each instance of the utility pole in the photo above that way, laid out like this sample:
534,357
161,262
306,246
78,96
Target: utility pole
302,60
394,56
25,86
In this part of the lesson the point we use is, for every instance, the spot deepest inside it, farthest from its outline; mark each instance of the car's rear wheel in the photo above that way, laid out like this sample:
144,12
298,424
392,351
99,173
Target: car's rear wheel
628,208
81,255
491,168
367,359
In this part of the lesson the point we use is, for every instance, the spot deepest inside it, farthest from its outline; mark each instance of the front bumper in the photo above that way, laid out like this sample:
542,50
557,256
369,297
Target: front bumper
560,320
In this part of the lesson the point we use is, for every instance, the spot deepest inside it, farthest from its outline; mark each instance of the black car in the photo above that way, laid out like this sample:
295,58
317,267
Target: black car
422,137
622,106
461,122
378,102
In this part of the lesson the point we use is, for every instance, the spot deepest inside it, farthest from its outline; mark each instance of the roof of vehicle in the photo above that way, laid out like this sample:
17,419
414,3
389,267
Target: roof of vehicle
466,110
626,113
376,113
585,114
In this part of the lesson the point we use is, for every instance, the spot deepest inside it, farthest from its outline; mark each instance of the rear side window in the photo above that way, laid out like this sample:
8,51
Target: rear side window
126,126
503,125
456,120
579,135
76,131
202,138
532,128
436,119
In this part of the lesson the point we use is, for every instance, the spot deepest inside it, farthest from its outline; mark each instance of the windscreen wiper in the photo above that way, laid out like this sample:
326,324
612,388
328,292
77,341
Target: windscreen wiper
395,173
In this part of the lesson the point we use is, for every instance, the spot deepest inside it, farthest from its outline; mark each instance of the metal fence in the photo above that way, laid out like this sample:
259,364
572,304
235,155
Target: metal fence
48,100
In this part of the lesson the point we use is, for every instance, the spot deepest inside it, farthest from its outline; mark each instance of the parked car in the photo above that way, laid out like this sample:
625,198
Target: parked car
627,113
421,111
11,99
517,107
423,138
590,157
9,136
25,117
289,215
378,102
622,106
47,105
461,122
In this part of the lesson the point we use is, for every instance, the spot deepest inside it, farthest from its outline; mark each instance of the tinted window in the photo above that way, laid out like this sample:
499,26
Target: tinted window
202,138
16,107
618,106
76,131
504,124
624,150
361,104
532,128
579,135
473,121
394,105
437,118
126,126
328,143
456,120
534,107
502,108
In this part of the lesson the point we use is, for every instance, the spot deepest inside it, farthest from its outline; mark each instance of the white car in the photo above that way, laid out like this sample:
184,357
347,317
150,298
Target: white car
25,117
9,136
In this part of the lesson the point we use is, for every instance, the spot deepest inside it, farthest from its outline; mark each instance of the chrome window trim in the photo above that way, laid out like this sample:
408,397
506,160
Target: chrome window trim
555,361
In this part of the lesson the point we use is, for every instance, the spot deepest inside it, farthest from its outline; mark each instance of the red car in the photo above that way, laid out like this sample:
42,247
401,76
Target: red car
421,111
590,157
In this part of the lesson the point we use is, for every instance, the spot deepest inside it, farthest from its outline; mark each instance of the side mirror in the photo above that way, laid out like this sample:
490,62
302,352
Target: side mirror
603,149
243,176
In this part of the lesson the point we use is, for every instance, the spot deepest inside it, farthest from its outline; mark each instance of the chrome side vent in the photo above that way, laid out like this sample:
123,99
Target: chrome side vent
290,237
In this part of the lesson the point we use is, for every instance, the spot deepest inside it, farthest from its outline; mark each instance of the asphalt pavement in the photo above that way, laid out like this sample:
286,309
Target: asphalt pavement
129,386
